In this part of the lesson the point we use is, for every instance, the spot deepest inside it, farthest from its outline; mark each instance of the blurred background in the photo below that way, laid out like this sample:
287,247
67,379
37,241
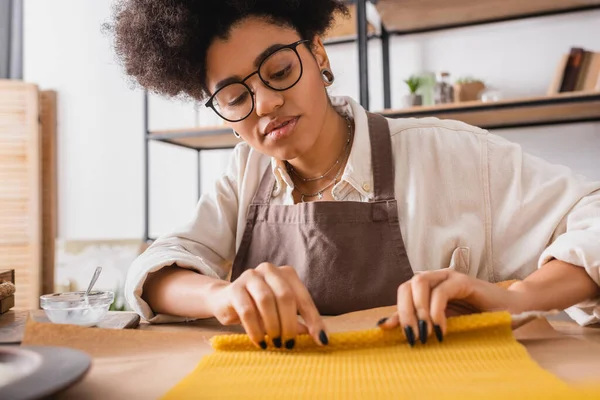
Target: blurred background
92,169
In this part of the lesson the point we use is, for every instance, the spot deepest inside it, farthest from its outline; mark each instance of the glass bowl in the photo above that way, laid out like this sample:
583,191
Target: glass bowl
73,308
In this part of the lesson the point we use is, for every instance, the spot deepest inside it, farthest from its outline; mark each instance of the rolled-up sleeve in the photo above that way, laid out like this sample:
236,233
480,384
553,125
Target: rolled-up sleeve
542,211
577,242
205,245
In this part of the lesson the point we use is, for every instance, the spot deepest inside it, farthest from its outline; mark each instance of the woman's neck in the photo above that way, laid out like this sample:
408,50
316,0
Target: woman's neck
326,150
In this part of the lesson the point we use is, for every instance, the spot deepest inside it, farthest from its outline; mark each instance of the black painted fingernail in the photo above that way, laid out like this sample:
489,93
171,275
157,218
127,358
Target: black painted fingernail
381,321
290,344
438,333
410,335
277,342
263,345
423,331
323,338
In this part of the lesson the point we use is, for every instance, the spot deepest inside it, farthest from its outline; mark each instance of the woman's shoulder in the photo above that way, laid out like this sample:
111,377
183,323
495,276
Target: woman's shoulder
440,139
432,126
246,161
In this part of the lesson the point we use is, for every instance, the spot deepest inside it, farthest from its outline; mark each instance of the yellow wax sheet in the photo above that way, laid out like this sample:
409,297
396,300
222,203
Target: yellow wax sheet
479,358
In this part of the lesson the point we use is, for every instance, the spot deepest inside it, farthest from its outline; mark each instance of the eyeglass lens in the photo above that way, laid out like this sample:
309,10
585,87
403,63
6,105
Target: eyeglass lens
280,71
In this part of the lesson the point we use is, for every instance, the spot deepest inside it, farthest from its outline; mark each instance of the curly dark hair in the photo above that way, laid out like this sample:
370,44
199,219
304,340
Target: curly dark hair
162,44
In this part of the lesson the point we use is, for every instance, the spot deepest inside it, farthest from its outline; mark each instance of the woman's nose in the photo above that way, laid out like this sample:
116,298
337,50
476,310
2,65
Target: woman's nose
267,100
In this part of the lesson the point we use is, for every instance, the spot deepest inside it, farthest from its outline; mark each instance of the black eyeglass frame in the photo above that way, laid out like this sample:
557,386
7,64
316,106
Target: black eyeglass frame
292,47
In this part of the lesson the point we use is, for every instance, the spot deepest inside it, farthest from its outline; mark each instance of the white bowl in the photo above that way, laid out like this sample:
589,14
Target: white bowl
73,308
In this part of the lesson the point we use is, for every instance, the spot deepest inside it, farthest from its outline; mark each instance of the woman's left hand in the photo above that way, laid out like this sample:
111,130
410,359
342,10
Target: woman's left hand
425,300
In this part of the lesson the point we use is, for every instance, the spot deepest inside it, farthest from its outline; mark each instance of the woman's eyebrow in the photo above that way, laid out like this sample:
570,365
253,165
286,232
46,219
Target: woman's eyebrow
257,61
266,53
226,81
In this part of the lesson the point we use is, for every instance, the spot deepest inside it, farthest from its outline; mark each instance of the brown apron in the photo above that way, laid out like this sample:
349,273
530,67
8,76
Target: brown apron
350,255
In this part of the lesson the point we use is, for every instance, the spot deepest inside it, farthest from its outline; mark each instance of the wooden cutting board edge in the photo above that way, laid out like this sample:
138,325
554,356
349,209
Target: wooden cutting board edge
12,324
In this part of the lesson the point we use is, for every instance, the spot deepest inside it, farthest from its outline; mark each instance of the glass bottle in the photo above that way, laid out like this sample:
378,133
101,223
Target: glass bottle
427,87
443,91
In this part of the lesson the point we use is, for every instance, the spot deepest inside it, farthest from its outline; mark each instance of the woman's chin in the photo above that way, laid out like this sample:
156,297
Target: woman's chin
287,155
284,153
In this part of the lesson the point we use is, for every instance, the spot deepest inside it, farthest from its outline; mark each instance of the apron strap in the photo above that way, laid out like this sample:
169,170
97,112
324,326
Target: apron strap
382,161
265,189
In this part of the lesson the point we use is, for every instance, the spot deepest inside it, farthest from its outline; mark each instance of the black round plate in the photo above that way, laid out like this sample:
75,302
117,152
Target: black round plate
49,370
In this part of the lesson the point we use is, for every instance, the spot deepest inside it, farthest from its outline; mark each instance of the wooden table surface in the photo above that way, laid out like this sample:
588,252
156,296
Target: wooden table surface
148,361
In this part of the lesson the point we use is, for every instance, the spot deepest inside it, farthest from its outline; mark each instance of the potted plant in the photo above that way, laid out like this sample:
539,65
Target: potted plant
414,83
467,89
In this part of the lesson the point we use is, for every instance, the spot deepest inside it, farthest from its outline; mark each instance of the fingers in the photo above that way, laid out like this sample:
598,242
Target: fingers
306,306
248,314
263,295
440,297
302,329
267,300
423,286
389,322
406,312
285,301
418,307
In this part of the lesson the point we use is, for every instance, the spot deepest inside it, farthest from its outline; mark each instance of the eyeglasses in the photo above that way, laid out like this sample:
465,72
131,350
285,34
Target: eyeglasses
279,71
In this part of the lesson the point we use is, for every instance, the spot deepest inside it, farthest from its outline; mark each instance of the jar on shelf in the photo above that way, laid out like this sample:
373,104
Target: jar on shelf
443,91
490,94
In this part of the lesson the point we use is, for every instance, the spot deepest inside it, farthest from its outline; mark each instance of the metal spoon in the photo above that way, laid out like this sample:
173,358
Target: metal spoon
92,283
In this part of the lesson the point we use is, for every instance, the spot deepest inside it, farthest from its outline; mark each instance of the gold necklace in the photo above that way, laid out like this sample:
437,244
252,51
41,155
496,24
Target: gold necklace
291,169
319,193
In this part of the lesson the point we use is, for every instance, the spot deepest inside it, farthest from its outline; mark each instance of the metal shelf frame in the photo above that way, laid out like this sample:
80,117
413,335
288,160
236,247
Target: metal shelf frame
362,39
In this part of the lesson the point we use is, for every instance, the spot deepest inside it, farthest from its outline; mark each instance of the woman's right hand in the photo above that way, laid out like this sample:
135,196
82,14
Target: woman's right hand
266,301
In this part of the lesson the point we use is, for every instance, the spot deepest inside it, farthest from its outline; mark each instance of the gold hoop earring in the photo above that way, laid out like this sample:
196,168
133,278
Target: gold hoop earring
327,76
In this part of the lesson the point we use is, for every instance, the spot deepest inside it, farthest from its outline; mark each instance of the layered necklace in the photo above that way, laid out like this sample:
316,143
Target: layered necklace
338,163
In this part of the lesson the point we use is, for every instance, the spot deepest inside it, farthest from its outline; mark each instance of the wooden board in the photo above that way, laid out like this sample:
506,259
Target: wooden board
113,320
20,188
11,327
209,137
7,275
565,107
166,353
415,15
345,27
12,324
7,303
49,189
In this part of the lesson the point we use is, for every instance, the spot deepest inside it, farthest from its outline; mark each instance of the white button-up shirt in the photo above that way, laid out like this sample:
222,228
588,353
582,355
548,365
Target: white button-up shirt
467,199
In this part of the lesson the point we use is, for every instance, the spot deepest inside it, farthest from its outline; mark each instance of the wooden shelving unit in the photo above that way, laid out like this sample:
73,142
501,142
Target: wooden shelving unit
344,29
515,113
547,110
200,138
412,16
416,16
